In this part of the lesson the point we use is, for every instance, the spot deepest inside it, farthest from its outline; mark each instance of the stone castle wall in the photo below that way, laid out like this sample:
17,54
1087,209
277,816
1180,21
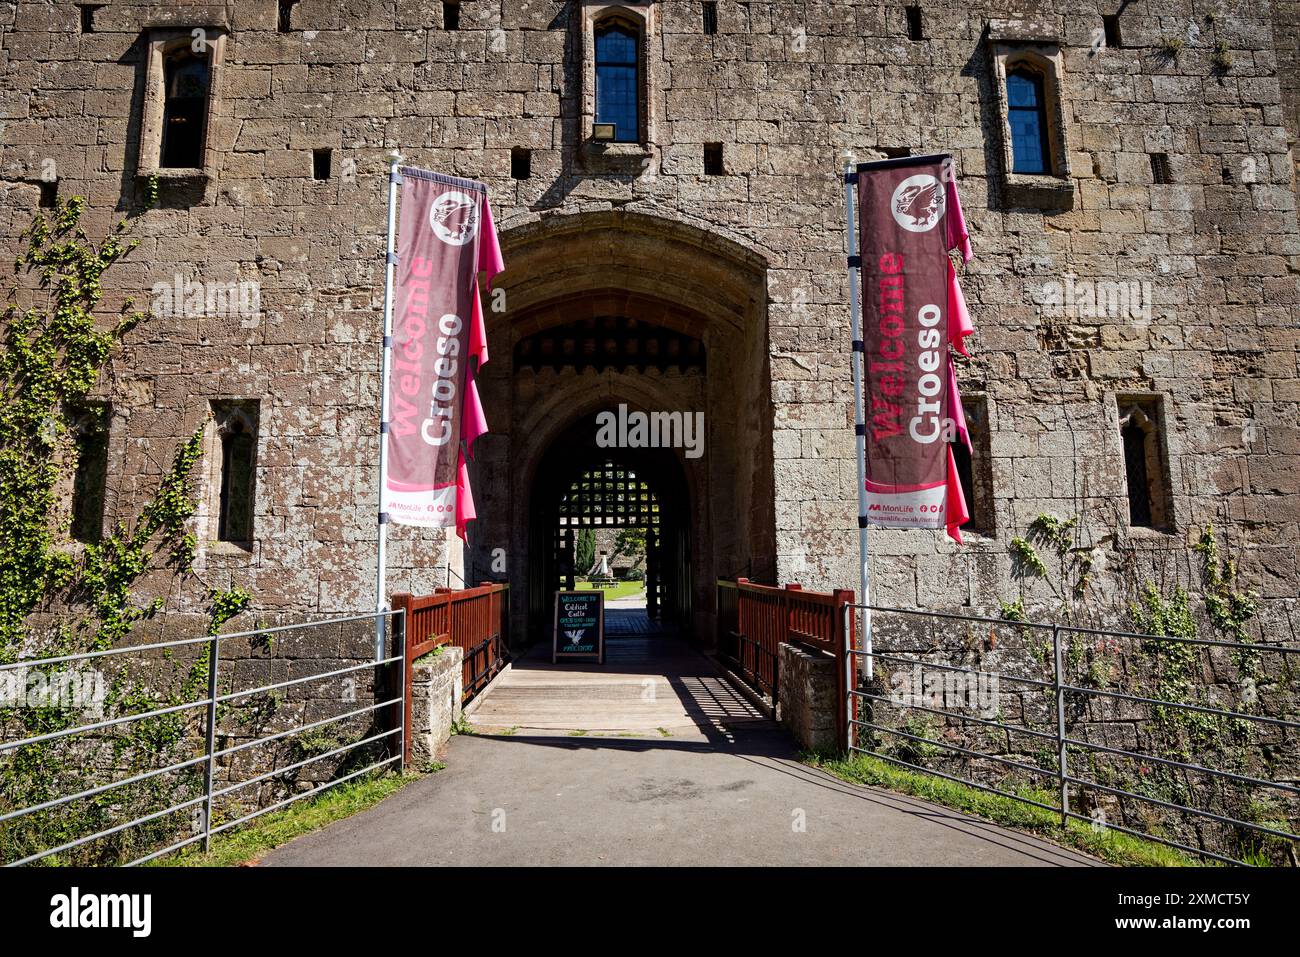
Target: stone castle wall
1286,41
785,87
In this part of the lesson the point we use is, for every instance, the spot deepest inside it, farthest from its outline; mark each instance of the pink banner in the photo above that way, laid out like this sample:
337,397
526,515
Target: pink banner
445,238
908,296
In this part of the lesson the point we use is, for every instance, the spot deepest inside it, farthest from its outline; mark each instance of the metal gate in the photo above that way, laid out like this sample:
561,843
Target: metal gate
581,485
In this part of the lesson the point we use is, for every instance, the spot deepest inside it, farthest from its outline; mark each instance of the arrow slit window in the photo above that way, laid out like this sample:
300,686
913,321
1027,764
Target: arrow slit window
90,431
975,466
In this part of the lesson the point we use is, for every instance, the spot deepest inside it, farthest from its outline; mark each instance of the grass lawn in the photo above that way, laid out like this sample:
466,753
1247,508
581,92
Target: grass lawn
1109,845
620,590
264,834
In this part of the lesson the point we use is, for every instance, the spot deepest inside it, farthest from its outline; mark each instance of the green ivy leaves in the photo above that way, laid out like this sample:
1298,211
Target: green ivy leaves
51,356
50,361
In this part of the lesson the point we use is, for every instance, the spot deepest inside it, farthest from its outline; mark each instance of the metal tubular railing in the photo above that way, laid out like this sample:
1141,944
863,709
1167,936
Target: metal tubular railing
211,753
1066,744
1013,728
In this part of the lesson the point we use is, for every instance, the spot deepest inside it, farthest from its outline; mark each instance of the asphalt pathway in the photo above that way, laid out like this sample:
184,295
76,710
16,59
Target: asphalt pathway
740,799
650,759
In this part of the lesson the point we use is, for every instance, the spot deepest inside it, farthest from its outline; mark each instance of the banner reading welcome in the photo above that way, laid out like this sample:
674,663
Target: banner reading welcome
446,237
904,238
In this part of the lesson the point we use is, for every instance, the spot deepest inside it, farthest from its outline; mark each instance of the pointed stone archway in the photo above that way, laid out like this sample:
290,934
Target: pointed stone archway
611,308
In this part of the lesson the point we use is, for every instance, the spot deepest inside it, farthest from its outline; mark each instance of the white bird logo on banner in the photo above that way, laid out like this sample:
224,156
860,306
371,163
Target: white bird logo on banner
445,210
918,203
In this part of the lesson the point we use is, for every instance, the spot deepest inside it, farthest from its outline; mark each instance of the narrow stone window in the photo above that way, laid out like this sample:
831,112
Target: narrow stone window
896,152
90,433
975,469
182,83
1027,109
713,159
87,17
321,163
1135,471
1027,66
186,79
1110,26
285,22
237,447
1161,174
965,471
618,81
710,18
49,193
1141,429
451,16
915,31
521,163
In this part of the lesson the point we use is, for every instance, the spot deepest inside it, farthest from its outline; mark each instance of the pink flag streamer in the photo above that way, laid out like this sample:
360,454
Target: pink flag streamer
955,410
959,322
959,327
475,422
958,237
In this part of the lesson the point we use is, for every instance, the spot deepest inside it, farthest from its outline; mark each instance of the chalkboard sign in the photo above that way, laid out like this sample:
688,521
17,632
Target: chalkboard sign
579,625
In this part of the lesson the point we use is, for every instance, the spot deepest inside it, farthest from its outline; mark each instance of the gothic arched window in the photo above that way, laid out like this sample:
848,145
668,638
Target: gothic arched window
618,80
186,79
1146,475
1027,113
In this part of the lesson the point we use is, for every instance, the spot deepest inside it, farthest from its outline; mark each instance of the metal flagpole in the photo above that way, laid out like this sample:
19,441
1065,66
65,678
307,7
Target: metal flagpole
385,367
859,405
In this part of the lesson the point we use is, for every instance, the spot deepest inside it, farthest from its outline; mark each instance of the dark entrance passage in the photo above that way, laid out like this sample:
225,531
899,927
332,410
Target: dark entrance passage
610,308
581,485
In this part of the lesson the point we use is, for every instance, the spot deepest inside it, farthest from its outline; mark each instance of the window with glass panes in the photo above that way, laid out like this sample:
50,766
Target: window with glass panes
617,78
1027,113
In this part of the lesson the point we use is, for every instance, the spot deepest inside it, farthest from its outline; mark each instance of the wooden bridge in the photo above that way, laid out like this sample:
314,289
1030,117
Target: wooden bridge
656,681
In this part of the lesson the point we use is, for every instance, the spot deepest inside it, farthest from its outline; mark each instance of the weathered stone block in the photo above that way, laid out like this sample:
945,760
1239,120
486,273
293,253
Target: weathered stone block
808,698
436,690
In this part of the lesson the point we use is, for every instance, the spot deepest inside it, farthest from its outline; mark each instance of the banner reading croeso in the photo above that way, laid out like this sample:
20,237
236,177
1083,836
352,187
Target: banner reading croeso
904,248
445,238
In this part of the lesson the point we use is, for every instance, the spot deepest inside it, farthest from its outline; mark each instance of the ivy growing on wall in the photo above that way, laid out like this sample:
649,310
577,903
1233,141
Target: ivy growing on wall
1050,563
52,353
1073,570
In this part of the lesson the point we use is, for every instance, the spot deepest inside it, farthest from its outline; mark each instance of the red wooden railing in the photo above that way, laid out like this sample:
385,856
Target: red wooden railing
753,620
476,620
